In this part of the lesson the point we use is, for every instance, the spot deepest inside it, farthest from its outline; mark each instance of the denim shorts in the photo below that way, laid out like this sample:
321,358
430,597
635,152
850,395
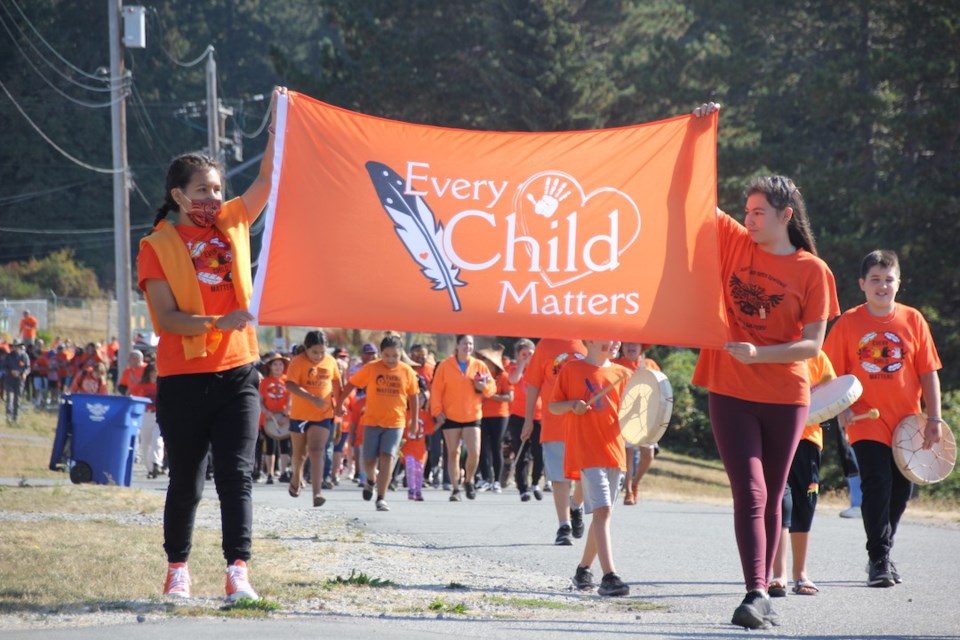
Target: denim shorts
381,440
301,427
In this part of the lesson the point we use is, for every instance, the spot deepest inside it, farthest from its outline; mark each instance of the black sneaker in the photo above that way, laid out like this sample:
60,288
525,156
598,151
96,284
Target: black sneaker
537,493
368,491
583,579
612,585
878,574
455,496
576,520
525,496
894,573
471,490
564,536
755,612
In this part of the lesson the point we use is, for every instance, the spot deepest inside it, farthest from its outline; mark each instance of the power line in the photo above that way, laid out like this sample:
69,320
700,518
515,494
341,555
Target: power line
163,36
70,232
49,46
51,142
23,197
54,67
82,103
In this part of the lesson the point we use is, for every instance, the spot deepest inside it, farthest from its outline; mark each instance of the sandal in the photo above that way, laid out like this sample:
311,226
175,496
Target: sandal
805,588
294,491
777,588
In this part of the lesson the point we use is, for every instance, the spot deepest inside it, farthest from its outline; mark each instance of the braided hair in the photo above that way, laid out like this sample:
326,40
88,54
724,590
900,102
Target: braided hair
179,174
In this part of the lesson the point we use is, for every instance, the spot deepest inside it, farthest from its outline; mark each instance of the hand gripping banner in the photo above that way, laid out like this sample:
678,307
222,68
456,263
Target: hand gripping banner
591,234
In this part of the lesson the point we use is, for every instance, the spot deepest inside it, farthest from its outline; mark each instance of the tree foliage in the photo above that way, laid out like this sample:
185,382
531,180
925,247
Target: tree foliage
854,100
57,272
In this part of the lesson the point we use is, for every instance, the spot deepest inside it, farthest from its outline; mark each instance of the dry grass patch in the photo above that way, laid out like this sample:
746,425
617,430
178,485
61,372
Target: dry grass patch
80,499
26,452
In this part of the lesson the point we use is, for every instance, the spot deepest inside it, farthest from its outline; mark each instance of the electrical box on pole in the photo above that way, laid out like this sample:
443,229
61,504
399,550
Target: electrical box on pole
134,27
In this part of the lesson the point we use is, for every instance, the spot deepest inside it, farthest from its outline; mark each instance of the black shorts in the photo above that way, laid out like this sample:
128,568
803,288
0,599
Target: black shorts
450,424
803,485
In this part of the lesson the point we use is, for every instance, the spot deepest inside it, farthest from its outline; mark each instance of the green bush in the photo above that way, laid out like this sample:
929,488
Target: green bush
58,272
689,431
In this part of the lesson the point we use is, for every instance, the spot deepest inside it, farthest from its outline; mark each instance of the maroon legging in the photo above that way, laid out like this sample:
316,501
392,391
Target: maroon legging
756,442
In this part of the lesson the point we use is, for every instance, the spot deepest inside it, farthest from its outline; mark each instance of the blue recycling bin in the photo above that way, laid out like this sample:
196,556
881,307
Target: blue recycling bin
60,456
103,437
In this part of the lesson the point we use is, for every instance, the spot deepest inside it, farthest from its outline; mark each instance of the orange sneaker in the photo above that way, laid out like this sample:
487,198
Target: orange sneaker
177,584
238,583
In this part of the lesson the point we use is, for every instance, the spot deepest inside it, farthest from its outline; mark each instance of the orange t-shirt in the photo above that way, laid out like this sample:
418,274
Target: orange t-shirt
276,396
317,379
212,260
145,390
426,370
593,439
888,356
820,371
769,298
417,446
519,405
498,408
549,358
41,366
131,376
28,327
357,406
453,394
84,382
388,391
62,364
648,363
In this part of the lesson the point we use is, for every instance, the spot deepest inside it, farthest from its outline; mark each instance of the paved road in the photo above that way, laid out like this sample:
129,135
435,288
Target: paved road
681,556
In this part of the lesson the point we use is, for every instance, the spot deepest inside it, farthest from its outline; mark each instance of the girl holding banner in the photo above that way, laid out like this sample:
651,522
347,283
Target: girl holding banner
195,271
460,383
778,296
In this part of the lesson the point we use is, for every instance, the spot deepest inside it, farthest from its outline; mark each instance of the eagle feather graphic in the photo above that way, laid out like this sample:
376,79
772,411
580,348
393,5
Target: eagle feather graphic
417,228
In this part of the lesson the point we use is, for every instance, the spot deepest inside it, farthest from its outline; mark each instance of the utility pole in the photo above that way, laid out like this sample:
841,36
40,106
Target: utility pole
121,193
213,107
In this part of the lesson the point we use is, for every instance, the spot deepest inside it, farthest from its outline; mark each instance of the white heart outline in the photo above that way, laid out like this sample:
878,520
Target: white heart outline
584,197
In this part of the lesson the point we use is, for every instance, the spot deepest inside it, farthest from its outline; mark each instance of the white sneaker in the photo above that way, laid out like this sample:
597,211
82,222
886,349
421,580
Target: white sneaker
238,583
852,512
496,488
382,505
177,584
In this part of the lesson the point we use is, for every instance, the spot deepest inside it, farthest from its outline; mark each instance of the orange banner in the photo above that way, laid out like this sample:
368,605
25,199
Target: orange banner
592,234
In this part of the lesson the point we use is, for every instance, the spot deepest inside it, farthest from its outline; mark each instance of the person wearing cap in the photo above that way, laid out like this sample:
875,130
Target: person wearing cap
275,405
493,423
15,366
460,384
368,353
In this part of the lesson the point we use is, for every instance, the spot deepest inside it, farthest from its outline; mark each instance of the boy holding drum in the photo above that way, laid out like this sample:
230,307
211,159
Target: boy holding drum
888,347
587,394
